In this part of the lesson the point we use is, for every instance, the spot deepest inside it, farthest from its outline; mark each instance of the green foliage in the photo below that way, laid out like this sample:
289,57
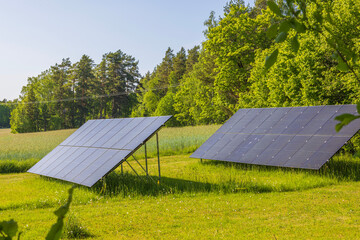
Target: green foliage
273,7
333,21
5,110
346,118
166,107
233,44
309,77
271,59
206,91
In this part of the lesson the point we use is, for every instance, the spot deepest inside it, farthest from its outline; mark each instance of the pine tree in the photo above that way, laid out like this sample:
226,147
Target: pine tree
62,91
100,86
84,75
123,75
32,111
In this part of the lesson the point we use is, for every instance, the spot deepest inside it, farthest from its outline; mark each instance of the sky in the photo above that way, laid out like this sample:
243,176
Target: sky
37,34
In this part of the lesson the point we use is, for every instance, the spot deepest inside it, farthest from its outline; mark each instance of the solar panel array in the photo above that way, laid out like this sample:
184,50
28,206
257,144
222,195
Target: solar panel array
96,148
298,137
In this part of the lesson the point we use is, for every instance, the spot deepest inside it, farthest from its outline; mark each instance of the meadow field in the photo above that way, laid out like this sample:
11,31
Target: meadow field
195,200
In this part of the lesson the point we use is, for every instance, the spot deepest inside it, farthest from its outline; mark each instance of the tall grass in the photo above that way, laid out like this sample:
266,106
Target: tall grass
29,145
15,166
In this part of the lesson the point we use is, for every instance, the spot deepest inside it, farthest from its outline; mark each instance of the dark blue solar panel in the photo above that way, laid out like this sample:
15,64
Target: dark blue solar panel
96,148
302,137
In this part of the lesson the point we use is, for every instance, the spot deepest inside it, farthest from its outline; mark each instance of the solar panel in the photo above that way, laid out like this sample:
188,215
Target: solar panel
298,137
96,148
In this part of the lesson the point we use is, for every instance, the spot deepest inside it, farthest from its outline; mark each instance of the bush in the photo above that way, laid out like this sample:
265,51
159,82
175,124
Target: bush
74,229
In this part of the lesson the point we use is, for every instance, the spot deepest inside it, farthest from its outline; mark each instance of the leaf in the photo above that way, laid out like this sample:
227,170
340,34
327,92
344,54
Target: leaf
344,119
331,42
335,55
318,17
295,45
10,228
272,30
281,37
284,26
274,8
347,53
299,27
342,66
271,59
56,229
354,58
338,127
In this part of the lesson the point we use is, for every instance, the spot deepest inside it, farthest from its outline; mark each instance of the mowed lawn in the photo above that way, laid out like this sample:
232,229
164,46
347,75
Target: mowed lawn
195,200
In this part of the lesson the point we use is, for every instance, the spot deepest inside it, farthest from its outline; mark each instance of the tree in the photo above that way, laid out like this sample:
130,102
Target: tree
123,76
32,111
192,58
62,90
179,68
5,110
100,87
83,79
233,43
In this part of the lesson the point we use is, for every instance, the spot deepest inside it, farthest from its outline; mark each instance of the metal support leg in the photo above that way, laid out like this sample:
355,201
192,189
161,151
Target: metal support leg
146,163
122,169
158,155
143,169
135,171
201,160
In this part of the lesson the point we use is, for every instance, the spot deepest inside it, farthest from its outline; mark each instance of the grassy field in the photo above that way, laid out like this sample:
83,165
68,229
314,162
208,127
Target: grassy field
196,200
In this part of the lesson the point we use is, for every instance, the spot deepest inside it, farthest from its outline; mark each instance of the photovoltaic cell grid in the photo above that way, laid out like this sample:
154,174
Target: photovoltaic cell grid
96,148
297,137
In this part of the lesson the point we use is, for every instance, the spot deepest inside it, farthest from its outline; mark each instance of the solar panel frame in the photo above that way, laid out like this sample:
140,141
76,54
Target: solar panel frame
93,151
285,137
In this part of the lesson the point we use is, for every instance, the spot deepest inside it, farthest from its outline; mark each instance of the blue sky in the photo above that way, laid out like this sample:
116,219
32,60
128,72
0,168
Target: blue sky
37,34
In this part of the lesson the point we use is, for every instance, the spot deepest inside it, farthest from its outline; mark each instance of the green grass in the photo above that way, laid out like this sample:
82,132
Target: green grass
29,145
195,200
209,199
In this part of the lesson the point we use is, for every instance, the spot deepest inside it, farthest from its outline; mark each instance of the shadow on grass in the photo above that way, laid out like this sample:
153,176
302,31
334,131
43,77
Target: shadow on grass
342,168
116,184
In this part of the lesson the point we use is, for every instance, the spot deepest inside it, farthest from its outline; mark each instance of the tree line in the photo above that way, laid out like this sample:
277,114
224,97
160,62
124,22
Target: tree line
68,94
206,84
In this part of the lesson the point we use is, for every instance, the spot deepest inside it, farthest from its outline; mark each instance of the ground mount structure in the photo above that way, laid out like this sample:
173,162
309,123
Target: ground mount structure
297,137
97,148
